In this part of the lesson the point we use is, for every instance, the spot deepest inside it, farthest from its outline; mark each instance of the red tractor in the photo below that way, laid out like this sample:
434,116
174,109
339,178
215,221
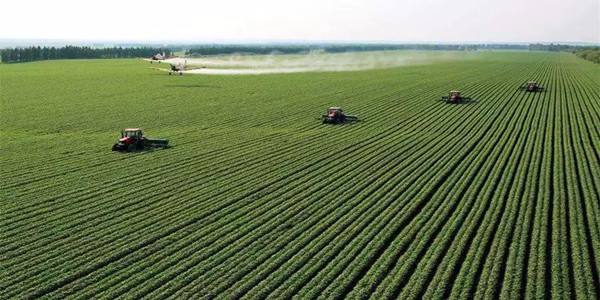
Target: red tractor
132,139
531,86
455,97
335,115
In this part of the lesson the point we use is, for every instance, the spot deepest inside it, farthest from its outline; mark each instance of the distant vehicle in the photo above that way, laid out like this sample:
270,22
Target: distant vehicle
335,115
132,139
158,57
531,86
178,67
455,97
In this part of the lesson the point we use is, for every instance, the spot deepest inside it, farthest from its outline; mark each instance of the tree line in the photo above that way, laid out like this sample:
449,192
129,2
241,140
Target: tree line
25,54
219,49
16,55
552,47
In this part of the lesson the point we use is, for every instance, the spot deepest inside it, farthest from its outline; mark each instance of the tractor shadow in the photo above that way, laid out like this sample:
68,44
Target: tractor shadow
347,123
200,86
146,150
464,102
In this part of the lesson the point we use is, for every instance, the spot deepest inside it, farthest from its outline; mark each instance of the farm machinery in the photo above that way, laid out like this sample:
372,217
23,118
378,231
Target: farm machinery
132,139
158,57
335,115
455,97
531,86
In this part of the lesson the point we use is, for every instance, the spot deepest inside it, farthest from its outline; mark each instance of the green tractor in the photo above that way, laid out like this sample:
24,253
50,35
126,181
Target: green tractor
132,139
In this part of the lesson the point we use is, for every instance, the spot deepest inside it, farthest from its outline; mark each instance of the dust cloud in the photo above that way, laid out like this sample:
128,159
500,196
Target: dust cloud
311,62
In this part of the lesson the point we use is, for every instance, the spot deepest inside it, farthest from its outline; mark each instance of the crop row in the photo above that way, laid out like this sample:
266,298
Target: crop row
494,198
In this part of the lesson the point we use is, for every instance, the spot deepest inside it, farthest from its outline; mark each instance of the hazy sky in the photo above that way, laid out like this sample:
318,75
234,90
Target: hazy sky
331,20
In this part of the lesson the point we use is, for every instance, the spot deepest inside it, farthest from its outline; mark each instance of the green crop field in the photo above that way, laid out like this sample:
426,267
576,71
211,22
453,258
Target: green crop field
496,197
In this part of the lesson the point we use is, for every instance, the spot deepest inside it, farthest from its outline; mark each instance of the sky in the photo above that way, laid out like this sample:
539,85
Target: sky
305,20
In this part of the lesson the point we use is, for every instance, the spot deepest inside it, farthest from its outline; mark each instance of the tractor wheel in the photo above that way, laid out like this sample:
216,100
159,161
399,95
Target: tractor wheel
131,148
115,147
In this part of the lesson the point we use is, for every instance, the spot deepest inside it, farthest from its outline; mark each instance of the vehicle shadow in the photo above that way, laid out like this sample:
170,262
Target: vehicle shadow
463,102
145,150
204,86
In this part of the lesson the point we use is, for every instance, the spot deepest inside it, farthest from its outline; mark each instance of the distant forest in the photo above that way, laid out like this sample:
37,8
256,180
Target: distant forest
25,54
217,49
16,55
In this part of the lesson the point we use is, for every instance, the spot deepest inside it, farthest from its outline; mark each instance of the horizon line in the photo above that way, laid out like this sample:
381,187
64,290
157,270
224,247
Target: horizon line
276,41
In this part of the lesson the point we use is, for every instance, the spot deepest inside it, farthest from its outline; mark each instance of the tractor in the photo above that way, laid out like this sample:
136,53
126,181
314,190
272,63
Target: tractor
455,97
531,86
132,139
335,115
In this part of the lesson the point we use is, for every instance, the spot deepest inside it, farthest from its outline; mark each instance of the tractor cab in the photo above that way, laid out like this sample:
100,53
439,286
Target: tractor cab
131,134
532,86
454,96
334,112
336,115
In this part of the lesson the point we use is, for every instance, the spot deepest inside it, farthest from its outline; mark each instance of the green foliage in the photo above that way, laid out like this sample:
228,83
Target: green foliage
15,55
219,49
494,198
553,47
591,54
